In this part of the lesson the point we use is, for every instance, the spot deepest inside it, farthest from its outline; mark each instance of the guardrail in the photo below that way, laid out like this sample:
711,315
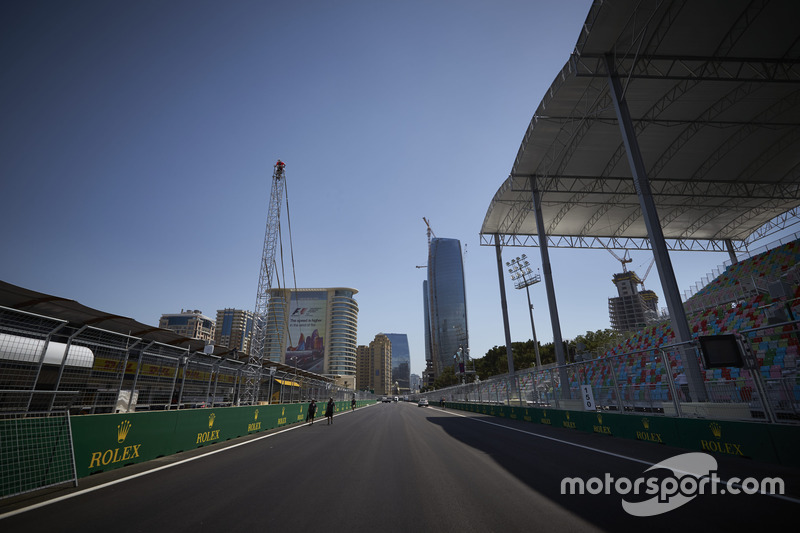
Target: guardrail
644,382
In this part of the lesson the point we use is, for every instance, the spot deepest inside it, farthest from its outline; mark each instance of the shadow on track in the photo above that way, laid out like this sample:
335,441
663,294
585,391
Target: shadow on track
542,464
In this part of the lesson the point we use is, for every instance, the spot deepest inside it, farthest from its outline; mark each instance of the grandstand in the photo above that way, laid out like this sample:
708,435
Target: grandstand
750,277
641,378
640,373
757,299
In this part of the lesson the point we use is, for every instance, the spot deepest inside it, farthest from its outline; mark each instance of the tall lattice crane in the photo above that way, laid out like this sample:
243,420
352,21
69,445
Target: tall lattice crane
252,372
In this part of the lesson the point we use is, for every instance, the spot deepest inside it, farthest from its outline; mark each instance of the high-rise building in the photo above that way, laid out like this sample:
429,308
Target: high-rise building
446,302
416,383
233,329
189,323
427,374
381,372
363,367
401,362
313,329
375,366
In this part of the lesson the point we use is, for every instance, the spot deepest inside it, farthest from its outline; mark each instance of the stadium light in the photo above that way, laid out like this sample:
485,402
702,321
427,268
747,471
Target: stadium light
523,277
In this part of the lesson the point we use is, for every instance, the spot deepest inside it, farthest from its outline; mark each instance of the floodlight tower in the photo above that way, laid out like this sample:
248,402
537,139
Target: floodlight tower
523,277
252,372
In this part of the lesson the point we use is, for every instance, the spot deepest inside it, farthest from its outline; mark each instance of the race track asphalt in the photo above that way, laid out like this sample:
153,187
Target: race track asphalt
396,468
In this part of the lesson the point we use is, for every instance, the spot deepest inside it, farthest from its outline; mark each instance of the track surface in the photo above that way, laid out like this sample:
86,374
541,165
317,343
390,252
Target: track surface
395,468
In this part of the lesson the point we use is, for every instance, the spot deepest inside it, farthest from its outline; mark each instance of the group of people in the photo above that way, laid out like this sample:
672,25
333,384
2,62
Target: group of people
330,407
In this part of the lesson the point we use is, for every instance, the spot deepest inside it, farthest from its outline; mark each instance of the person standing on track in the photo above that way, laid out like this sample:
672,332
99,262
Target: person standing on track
312,410
353,404
329,411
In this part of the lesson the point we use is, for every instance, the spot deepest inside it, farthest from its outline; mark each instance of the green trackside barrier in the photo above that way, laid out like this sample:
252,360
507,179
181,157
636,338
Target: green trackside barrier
753,440
655,429
200,427
105,442
740,439
109,441
786,440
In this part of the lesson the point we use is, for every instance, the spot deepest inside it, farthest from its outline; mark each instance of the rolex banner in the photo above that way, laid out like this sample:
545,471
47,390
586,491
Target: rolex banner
109,441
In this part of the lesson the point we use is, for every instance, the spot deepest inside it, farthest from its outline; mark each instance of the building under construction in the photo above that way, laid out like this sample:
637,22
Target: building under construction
632,309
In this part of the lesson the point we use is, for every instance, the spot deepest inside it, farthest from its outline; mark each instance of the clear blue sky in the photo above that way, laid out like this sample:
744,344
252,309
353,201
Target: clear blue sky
138,141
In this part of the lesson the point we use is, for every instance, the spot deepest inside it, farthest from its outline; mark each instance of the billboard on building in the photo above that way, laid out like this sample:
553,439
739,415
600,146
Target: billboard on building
308,313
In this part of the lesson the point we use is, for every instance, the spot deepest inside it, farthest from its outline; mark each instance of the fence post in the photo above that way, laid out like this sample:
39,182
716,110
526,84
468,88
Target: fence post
671,383
617,392
45,344
136,374
185,361
63,364
555,391
122,373
759,383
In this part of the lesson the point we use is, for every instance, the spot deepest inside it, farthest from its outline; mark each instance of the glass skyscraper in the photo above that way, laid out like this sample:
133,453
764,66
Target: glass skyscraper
401,360
446,302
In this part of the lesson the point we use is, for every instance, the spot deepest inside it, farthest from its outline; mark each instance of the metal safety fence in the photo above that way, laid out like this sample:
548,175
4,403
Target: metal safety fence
652,380
35,452
48,365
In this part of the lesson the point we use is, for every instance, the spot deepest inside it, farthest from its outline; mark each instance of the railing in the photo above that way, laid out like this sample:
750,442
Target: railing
644,381
47,365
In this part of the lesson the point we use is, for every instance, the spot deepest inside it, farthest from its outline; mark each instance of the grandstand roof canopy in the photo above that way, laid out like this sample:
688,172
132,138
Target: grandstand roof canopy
713,89
78,315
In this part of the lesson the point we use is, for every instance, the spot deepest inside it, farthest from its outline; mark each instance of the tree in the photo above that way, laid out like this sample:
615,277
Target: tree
598,341
447,378
495,361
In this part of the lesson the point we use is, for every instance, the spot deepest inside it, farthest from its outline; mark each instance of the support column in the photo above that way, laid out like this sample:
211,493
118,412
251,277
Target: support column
504,303
731,251
656,235
558,342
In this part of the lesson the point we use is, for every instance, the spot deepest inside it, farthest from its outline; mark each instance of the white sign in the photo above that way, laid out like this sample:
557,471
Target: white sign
587,397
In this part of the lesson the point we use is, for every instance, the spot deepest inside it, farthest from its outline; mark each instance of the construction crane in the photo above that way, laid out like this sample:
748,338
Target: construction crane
430,232
652,261
252,372
624,259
